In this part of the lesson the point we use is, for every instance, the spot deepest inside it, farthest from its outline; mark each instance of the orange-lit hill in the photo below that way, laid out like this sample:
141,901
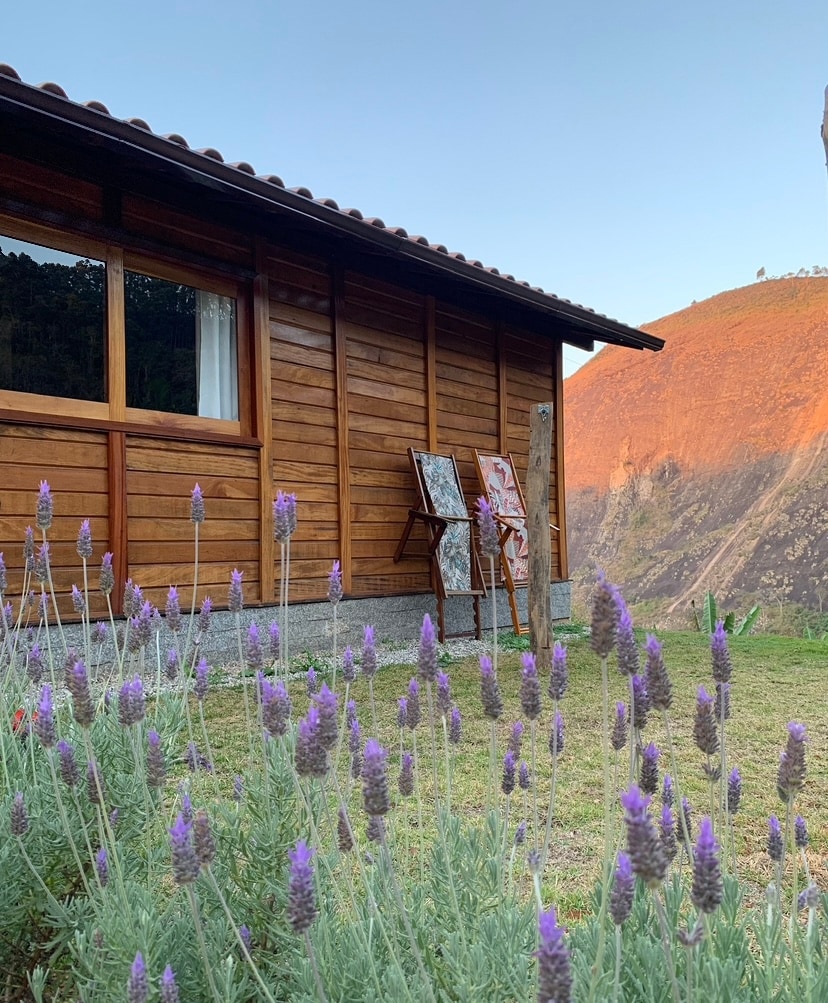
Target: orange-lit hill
706,465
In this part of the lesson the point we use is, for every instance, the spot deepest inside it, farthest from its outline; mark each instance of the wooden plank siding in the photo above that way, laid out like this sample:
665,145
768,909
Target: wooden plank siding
304,415
74,463
387,412
160,476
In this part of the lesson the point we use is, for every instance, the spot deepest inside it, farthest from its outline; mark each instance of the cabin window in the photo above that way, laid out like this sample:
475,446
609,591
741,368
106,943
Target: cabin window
52,321
180,348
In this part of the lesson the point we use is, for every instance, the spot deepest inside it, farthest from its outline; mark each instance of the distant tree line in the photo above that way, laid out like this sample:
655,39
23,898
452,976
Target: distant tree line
803,273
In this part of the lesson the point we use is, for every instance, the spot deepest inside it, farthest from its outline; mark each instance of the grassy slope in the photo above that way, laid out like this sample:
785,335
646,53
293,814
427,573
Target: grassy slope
775,680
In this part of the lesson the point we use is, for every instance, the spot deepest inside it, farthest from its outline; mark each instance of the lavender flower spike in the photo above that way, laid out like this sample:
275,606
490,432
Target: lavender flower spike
406,780
720,656
413,713
556,736
374,781
623,887
106,581
44,723
775,844
184,861
84,544
489,536
335,584
156,768
77,682
649,861
489,689
649,769
427,664
455,726
659,687
326,701
507,784
102,867
791,774
19,820
302,909
800,832
604,617
443,694
45,506
348,667
559,676
629,660
705,732
235,600
708,888
734,791
284,516
618,738
554,968
138,986
197,506
169,989
530,692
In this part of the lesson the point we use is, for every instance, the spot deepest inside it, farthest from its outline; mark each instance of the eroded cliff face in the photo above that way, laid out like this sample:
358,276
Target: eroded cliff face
706,465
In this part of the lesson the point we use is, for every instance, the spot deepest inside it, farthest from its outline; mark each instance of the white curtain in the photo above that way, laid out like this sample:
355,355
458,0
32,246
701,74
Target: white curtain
218,379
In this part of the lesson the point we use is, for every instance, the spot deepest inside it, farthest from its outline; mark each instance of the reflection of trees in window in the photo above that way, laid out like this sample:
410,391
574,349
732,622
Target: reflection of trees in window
160,344
52,337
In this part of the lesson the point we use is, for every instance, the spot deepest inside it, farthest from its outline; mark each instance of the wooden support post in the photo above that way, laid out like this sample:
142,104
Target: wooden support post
541,429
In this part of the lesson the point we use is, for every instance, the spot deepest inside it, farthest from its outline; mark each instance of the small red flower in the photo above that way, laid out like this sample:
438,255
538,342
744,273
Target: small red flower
18,722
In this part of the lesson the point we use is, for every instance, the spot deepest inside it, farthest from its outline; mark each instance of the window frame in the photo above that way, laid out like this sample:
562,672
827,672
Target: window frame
117,259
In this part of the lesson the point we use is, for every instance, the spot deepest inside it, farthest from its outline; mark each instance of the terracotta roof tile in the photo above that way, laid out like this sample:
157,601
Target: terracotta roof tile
244,167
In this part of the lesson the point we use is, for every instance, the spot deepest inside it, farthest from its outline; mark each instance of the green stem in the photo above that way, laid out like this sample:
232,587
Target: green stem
202,944
665,943
606,864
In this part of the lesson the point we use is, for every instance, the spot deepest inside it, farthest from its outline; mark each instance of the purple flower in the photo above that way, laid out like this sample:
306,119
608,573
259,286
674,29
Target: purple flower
720,656
556,735
487,528
335,584
131,702
455,726
102,867
516,739
311,758
42,564
171,666
44,723
328,725
205,614
106,579
369,654
197,506
19,818
791,774
375,795
69,772
34,664
284,516
489,689
276,706
443,694
275,640
184,861
667,828
524,779
427,654
4,579
137,986
402,711
100,632
618,738
253,652
355,738
734,791
623,887
78,602
311,681
203,842
559,675
704,726
530,692
708,888
800,833
641,703
45,507
235,602
406,781
77,682
413,715
172,610
348,667
507,784
195,760
28,549
775,845
375,830
668,794
169,989
302,909
344,833
687,811
84,544
554,969
156,768
520,834
649,769
604,617
649,861
629,660
659,687
722,699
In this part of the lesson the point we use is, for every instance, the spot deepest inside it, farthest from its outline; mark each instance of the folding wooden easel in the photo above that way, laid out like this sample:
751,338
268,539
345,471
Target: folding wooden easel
501,488
455,568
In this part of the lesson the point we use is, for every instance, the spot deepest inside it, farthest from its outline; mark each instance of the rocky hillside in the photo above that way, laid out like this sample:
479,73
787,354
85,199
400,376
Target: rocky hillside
706,465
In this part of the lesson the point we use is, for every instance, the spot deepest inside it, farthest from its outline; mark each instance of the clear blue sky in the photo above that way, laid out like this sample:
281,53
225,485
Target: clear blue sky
631,157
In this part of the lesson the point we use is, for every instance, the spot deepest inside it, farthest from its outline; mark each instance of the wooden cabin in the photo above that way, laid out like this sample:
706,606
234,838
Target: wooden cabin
326,345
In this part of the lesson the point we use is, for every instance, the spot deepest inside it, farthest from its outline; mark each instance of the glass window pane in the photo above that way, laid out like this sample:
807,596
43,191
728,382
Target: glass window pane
180,348
52,322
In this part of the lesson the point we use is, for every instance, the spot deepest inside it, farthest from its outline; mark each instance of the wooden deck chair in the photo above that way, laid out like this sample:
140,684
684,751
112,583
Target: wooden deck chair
501,489
455,568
